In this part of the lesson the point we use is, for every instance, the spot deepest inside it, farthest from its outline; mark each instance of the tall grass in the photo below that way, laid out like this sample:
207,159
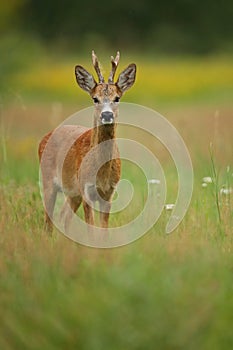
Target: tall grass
160,292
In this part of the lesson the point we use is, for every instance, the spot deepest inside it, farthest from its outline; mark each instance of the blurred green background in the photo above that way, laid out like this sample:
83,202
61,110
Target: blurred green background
41,41
161,292
180,26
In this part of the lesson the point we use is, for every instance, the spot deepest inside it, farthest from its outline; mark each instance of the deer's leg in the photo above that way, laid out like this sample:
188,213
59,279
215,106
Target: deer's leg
70,207
88,212
50,194
105,207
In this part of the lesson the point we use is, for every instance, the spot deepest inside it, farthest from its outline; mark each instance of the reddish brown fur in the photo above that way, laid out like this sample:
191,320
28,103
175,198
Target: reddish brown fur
80,140
109,173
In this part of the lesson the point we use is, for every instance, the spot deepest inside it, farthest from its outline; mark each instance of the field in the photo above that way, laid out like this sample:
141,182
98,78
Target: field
160,292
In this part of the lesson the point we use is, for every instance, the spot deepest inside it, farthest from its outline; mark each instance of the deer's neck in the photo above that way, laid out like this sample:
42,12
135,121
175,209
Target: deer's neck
103,133
104,136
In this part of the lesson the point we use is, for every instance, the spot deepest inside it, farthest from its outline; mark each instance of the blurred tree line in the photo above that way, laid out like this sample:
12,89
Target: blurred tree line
178,26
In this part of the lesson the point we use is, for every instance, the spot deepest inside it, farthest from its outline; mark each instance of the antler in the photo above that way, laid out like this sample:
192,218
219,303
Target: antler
97,67
114,62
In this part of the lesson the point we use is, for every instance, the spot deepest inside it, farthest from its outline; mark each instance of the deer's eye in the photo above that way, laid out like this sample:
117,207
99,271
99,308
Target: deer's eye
96,100
117,99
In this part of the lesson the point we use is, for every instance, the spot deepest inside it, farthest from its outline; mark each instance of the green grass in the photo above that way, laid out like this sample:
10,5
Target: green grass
160,292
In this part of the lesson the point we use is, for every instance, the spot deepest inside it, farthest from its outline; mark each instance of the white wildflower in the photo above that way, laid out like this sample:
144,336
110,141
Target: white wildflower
154,181
226,191
169,206
204,184
207,180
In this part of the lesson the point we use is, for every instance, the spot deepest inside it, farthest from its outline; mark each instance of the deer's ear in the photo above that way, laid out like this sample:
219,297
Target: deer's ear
127,78
84,79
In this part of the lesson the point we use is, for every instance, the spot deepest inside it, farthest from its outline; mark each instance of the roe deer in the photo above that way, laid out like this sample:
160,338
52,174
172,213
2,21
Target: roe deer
78,189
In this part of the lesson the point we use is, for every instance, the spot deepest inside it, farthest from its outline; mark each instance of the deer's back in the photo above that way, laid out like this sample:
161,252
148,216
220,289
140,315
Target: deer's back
63,138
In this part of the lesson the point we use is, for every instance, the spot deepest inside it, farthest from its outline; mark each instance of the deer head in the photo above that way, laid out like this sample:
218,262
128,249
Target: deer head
106,96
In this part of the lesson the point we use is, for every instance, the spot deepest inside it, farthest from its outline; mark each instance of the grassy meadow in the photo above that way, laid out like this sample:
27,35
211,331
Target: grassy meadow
161,292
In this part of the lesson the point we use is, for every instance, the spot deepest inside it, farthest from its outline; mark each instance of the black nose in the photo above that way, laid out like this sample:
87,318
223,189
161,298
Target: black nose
107,117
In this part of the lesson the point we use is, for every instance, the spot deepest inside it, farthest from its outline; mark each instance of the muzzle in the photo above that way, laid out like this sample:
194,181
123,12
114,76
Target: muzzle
107,118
